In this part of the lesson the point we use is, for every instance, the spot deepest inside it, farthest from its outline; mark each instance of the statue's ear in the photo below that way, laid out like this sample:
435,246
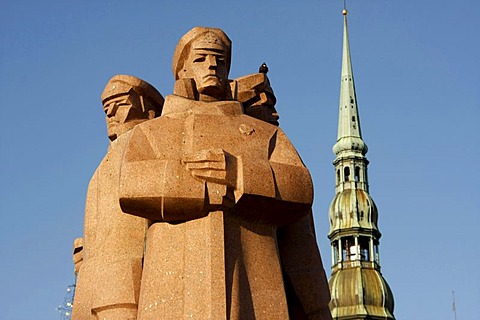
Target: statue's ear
186,87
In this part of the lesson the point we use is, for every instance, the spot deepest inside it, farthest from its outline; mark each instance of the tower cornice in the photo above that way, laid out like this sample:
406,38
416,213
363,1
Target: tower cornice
350,157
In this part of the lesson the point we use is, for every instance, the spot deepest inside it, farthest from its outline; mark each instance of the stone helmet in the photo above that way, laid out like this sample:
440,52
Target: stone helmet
214,37
122,84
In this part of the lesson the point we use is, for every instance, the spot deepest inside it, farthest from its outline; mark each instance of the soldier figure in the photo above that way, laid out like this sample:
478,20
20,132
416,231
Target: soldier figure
228,200
109,275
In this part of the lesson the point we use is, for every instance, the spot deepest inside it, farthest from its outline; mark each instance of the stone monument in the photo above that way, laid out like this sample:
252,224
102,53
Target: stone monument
110,265
220,195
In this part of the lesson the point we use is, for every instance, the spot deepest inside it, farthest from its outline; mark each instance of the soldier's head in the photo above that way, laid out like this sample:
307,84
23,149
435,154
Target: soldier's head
127,101
257,97
204,54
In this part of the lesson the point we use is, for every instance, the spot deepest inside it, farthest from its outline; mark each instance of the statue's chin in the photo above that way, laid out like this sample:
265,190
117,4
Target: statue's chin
118,129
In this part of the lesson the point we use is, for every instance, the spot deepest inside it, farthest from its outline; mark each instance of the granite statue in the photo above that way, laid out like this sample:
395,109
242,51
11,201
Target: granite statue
203,212
108,259
227,197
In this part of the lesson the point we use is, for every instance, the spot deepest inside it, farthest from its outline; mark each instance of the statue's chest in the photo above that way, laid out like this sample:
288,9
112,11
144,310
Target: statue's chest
238,135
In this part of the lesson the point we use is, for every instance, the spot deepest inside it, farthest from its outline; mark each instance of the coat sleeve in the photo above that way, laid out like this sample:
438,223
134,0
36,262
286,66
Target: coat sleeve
279,191
156,187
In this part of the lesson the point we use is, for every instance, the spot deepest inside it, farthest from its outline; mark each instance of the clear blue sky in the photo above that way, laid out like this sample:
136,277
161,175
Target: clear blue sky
416,66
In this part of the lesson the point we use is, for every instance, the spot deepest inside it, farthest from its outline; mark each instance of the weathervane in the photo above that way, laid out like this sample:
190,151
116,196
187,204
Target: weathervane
345,11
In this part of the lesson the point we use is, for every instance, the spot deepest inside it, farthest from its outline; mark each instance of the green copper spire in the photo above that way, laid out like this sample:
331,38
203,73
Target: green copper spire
357,286
349,138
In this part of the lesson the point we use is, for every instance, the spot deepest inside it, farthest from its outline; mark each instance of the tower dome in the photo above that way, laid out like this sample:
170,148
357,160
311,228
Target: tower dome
361,292
353,208
350,144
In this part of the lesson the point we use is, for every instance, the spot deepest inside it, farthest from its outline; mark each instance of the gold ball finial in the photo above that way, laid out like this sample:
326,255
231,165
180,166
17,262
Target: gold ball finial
344,12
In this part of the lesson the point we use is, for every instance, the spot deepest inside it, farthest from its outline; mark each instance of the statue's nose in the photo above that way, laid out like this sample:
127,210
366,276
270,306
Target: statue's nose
212,61
111,109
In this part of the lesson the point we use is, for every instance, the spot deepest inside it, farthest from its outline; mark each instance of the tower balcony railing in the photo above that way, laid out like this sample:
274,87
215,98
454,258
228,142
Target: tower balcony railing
355,264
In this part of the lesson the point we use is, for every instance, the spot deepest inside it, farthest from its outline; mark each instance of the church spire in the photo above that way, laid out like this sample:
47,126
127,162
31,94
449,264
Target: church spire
357,286
349,136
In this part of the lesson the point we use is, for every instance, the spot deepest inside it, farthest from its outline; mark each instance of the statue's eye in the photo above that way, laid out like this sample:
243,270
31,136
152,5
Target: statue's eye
199,59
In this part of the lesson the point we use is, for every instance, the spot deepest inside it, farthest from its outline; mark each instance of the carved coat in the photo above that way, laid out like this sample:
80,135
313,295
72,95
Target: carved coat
113,244
212,250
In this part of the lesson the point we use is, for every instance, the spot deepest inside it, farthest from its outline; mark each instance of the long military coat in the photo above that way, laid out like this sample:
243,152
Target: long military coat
212,249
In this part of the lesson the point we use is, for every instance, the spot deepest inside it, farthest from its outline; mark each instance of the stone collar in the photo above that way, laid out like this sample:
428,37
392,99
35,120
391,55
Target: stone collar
176,105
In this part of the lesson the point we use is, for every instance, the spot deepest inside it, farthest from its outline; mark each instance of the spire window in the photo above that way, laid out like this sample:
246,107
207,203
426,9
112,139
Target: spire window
348,249
357,174
375,252
335,256
346,173
364,246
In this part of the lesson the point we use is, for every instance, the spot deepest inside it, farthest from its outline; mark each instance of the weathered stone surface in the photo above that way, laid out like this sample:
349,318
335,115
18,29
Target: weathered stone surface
224,195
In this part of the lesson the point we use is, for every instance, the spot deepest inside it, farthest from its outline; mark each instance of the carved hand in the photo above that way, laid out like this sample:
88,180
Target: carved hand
213,165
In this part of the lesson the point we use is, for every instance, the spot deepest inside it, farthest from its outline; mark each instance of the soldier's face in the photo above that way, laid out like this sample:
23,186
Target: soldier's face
122,113
207,66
